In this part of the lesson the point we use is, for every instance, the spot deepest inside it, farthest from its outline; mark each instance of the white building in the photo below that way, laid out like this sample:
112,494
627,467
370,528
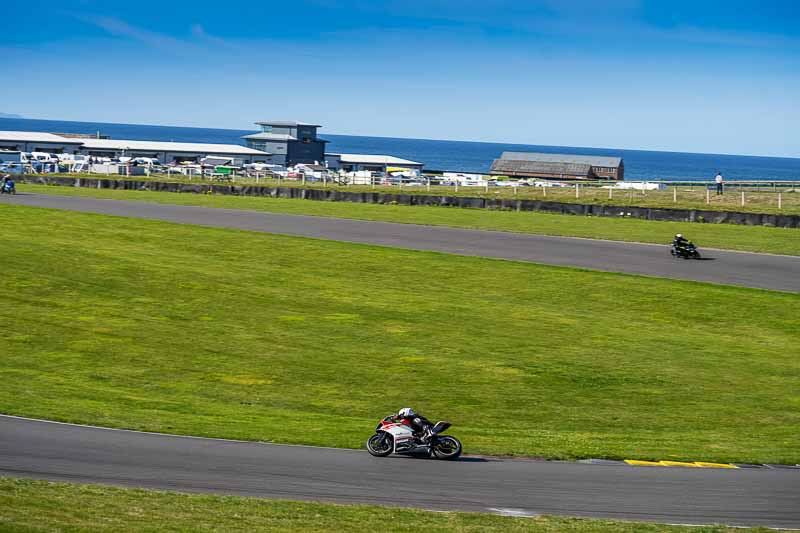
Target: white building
166,152
34,141
372,163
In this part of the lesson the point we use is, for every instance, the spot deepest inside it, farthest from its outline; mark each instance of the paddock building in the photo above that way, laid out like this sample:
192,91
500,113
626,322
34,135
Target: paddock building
34,141
280,143
166,152
558,166
288,142
369,162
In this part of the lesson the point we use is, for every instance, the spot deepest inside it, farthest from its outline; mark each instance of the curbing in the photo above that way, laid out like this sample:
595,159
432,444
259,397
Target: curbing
694,464
714,465
682,464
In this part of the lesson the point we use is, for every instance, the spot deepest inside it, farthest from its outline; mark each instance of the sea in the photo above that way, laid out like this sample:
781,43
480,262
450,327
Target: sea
461,156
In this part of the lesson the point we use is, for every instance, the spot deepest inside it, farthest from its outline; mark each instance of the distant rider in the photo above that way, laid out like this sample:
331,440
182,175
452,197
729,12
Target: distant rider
8,183
680,241
419,424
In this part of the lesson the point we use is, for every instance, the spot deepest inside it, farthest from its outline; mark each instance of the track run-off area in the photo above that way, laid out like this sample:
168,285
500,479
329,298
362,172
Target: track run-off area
737,497
765,271
81,454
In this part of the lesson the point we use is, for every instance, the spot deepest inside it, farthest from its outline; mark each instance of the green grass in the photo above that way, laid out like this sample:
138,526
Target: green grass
175,328
726,236
27,506
757,199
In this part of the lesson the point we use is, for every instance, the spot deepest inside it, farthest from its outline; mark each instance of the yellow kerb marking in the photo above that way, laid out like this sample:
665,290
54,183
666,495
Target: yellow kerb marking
634,462
678,463
714,465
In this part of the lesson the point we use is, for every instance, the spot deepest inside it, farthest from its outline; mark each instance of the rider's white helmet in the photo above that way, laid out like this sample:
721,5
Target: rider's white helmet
678,235
406,412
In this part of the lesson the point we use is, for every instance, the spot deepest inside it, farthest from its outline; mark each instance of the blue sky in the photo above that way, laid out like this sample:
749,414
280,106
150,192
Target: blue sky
697,76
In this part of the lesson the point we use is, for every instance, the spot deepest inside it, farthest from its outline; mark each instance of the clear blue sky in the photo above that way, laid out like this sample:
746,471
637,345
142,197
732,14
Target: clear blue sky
681,75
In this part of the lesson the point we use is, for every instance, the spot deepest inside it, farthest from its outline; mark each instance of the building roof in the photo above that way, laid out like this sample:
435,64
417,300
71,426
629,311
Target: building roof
287,123
36,136
369,159
597,161
527,168
270,137
161,146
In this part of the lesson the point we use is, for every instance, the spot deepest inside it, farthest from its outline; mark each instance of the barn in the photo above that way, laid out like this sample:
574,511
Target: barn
558,166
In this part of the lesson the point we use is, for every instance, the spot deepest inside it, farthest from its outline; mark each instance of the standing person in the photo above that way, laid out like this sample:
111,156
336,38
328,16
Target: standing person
719,180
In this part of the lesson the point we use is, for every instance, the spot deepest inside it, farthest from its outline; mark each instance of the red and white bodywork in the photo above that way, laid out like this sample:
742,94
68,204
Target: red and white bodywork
392,436
401,433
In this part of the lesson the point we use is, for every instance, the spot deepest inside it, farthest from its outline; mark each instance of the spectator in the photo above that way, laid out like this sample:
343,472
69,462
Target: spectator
719,180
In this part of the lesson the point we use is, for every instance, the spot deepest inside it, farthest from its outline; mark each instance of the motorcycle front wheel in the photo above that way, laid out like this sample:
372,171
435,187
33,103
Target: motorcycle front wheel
380,445
448,448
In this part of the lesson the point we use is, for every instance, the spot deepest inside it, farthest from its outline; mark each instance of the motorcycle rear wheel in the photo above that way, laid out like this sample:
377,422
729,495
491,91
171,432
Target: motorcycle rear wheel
447,448
380,445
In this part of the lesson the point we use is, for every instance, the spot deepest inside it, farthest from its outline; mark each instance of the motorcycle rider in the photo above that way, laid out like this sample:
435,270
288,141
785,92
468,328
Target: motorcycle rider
419,424
8,184
679,241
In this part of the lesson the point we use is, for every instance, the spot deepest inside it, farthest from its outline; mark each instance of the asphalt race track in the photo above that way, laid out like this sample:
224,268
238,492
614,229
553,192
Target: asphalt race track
63,452
765,271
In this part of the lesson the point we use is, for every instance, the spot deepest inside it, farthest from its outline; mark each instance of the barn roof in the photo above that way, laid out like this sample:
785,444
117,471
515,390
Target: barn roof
526,168
594,160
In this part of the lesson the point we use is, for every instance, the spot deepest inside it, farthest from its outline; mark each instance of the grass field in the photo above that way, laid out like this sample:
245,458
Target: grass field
40,506
757,199
727,236
174,328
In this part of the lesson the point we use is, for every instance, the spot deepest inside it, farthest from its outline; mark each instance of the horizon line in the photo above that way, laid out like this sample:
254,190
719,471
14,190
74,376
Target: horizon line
664,151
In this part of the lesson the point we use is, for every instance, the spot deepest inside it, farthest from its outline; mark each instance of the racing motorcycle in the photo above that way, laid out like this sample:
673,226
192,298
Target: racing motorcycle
686,251
392,437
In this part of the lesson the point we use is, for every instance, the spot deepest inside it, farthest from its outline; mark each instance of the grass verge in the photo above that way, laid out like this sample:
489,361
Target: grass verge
27,505
175,328
726,236
757,199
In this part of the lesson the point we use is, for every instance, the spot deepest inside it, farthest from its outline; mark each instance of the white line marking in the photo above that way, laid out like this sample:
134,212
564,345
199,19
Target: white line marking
175,435
508,511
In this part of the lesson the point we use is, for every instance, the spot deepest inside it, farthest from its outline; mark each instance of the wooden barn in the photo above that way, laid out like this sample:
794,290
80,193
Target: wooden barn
558,166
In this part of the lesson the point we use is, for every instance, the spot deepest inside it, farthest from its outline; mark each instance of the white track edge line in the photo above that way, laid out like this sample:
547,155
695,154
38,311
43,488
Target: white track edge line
260,442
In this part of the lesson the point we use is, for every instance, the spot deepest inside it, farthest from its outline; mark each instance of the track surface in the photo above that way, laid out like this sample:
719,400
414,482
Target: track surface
731,268
63,452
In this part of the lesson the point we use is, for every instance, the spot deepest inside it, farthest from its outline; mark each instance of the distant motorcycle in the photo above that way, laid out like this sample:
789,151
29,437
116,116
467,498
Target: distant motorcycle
685,251
392,437
8,188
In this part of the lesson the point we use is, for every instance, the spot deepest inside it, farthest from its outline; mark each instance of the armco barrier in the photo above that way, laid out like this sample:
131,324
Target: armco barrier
337,195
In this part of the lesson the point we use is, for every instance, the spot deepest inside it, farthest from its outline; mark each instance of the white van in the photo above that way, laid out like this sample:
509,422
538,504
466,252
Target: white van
43,157
7,156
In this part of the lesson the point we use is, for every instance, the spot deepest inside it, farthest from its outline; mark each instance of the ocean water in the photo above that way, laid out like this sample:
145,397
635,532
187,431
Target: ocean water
457,155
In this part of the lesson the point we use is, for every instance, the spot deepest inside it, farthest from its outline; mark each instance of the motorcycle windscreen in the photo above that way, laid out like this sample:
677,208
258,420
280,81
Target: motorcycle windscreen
440,426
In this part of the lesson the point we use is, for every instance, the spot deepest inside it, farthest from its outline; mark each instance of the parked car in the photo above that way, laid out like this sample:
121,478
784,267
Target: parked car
43,157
